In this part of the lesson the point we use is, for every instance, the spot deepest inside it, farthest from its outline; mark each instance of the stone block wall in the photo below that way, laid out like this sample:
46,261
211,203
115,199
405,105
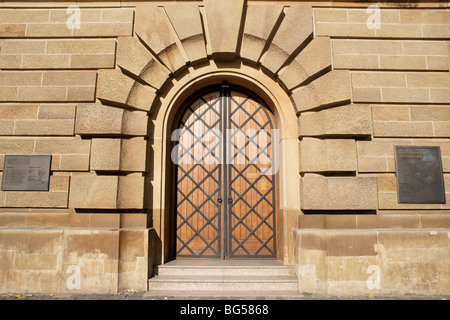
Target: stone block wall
89,233
354,237
89,97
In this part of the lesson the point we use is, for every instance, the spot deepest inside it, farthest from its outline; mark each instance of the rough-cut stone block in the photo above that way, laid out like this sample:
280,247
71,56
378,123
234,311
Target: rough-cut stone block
338,193
12,30
332,88
45,62
53,127
424,16
133,154
74,162
330,15
105,154
342,61
135,58
118,154
327,155
117,88
378,79
19,111
187,23
23,47
62,146
158,35
260,21
6,127
352,119
61,54
10,61
16,146
223,28
344,30
403,129
295,29
130,194
52,86
98,119
69,78
8,93
91,191
14,78
400,87
315,58
135,123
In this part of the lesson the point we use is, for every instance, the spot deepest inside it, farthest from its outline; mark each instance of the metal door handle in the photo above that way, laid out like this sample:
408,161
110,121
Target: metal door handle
219,200
230,200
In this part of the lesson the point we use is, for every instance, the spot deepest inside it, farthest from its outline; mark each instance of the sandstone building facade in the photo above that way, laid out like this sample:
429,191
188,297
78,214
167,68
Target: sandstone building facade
101,86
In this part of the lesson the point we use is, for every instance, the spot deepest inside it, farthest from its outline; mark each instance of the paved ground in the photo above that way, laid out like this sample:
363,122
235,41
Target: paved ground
147,296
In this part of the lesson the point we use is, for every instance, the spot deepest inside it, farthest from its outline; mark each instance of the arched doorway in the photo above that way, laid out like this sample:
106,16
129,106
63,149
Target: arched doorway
225,169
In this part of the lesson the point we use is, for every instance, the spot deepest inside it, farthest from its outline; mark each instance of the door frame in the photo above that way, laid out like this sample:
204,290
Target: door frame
159,162
224,219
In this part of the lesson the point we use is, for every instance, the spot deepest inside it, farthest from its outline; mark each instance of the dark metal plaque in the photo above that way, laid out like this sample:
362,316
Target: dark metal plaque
26,173
419,174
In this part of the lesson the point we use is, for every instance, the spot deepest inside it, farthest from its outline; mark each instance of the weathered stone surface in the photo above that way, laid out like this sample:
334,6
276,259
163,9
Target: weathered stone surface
47,86
135,58
93,192
57,54
338,193
105,154
130,193
187,23
295,29
98,119
260,21
133,154
348,120
117,88
62,146
379,270
327,155
158,35
398,87
118,154
313,59
134,258
390,54
332,88
223,28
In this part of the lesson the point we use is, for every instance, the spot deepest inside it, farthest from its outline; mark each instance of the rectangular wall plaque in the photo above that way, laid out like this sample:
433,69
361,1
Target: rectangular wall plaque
419,174
26,173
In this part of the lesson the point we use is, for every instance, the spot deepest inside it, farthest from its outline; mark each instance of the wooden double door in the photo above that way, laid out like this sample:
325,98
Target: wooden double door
225,157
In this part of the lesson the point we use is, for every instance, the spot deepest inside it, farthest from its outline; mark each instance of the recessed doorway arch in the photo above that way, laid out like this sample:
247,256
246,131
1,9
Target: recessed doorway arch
275,98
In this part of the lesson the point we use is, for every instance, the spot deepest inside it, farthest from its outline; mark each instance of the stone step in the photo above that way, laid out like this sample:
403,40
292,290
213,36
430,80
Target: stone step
223,283
225,295
226,268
